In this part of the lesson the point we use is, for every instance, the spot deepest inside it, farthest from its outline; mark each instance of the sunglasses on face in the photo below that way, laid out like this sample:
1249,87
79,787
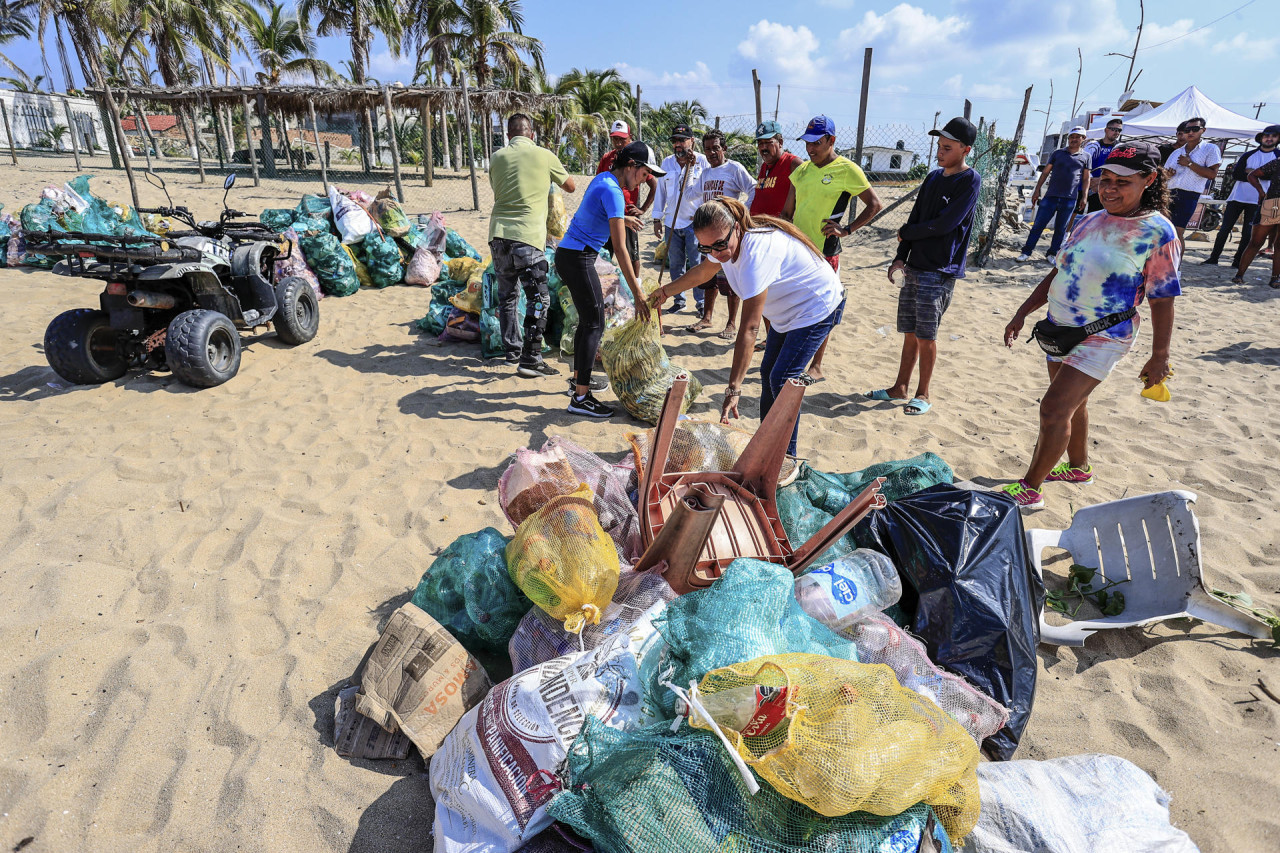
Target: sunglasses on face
1195,129
717,246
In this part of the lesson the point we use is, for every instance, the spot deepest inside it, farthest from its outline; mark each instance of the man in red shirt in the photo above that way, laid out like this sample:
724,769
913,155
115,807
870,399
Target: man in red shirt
619,138
773,183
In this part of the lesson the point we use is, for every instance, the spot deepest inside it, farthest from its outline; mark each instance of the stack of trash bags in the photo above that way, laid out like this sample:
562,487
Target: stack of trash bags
845,709
464,307
72,207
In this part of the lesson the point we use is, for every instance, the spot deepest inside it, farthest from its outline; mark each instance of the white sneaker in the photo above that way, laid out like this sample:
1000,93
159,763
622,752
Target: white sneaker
1023,258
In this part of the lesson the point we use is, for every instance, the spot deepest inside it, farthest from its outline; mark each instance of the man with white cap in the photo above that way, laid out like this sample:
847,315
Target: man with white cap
619,138
1067,171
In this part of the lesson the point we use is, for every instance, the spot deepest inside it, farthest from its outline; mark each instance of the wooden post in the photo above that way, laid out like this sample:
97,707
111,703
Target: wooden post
112,130
968,109
284,139
717,122
862,105
471,150
395,143
755,84
71,131
248,137
428,156
984,251
125,152
194,115
639,113
8,132
139,120
268,149
777,102
328,157
315,134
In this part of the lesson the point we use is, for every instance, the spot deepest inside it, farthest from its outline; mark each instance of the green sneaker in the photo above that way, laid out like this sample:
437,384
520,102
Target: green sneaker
1064,473
1025,496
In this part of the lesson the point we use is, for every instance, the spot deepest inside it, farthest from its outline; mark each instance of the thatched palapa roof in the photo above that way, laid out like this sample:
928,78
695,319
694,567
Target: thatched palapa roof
295,98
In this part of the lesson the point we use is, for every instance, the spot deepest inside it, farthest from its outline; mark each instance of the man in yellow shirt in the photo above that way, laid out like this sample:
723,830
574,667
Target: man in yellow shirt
521,174
821,191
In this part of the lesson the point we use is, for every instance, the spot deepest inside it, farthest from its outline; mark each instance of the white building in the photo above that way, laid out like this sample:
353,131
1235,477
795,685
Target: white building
36,116
885,161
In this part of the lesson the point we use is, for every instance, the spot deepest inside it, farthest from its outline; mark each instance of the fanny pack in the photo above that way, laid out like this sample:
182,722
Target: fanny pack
1057,340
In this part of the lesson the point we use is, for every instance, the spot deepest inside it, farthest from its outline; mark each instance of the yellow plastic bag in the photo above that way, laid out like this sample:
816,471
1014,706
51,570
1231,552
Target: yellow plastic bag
362,272
660,252
471,300
853,739
461,269
564,561
557,216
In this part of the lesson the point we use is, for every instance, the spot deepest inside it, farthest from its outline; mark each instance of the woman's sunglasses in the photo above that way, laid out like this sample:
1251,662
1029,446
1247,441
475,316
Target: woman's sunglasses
717,246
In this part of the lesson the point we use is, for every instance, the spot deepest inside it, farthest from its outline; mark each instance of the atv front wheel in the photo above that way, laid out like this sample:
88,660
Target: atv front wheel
81,347
298,319
202,348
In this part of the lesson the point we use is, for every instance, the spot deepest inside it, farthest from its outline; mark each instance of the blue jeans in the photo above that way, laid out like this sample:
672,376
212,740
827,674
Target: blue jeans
1058,209
682,256
786,355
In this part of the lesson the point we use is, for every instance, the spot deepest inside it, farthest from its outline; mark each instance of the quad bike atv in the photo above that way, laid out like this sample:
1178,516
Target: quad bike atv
179,301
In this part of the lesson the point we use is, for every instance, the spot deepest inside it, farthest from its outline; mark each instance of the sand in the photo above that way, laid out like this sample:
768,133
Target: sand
190,576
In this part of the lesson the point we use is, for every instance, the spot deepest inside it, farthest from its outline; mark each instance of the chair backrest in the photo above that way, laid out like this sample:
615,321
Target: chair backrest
1141,539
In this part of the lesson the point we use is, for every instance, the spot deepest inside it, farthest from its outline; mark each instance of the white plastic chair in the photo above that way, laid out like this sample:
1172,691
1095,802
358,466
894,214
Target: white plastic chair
1153,541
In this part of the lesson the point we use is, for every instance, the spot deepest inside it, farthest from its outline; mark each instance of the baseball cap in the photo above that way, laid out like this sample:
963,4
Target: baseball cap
681,131
1132,158
818,127
619,128
1271,128
1076,131
641,153
959,129
768,130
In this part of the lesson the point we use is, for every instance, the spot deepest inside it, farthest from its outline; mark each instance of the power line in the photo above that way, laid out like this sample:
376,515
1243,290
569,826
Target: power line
1198,29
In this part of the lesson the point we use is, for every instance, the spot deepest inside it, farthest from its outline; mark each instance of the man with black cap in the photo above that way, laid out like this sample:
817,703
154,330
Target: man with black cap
931,256
676,200
1244,198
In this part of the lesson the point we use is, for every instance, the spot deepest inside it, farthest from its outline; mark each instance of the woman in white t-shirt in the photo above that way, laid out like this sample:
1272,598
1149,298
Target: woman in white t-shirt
779,275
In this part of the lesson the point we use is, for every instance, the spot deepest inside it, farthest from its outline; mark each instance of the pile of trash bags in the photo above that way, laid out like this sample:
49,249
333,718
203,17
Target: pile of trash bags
845,709
70,208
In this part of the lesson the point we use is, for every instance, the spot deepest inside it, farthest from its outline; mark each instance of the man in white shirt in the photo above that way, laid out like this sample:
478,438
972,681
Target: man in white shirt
1244,198
678,196
1192,167
722,177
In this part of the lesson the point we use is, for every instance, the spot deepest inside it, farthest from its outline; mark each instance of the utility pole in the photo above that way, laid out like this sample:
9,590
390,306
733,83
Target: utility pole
1079,73
1047,113
862,104
935,127
755,83
776,102
1257,109
1129,79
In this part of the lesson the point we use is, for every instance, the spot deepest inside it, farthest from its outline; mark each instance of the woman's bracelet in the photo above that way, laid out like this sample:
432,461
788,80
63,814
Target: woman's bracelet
730,391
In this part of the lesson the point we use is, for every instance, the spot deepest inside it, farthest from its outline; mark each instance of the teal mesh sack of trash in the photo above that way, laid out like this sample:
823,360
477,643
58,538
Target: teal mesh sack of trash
278,219
749,612
490,329
101,217
438,312
331,263
456,246
814,497
311,225
5,232
381,257
654,789
316,206
469,591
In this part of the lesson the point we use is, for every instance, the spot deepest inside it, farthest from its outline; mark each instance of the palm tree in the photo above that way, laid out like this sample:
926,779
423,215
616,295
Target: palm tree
281,45
358,20
23,83
428,21
599,97
15,23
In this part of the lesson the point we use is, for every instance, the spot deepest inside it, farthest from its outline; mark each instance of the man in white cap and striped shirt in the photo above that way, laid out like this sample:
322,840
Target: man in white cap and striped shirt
1067,171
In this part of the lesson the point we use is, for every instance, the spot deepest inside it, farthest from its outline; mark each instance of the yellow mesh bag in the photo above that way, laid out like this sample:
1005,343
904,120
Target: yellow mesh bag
557,216
362,272
853,739
461,269
564,561
471,300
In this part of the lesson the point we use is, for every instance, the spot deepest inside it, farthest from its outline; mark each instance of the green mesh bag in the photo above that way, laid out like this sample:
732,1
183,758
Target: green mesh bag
653,789
311,225
381,257
438,313
749,612
313,206
456,246
278,219
331,263
468,591
813,499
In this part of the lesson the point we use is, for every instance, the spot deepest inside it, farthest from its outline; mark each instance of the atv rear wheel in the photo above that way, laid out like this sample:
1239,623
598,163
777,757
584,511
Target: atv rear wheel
202,348
298,318
81,347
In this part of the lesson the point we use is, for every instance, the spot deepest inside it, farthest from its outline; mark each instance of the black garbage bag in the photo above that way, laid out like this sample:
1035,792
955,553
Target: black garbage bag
969,590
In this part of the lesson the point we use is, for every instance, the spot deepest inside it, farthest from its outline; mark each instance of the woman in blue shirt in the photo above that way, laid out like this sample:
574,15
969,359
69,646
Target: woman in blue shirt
601,217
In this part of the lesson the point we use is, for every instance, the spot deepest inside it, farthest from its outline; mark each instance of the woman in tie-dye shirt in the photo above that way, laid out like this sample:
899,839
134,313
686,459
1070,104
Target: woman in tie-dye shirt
1112,261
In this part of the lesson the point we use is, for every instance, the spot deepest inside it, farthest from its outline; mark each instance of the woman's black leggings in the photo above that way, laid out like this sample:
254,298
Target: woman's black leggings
577,269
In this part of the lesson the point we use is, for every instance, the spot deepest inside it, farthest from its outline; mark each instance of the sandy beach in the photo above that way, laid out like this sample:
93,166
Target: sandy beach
190,576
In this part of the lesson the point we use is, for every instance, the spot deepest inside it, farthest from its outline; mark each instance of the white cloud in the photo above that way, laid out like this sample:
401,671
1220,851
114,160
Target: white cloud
1245,46
389,69
783,52
1157,36
905,28
699,75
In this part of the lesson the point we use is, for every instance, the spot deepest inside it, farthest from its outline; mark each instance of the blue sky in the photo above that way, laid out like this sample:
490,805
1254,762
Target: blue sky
928,55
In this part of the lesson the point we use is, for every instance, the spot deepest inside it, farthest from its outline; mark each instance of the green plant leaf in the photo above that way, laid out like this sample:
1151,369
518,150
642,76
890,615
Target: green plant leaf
1081,575
1114,605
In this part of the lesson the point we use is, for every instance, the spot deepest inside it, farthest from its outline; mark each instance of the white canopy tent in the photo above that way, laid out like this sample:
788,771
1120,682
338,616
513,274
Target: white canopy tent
1221,122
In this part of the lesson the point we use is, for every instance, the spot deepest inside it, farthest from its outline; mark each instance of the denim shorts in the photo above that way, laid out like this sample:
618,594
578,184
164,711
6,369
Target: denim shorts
1182,205
924,298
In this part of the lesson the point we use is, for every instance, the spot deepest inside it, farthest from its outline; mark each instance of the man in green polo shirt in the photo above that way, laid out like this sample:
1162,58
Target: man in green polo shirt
521,175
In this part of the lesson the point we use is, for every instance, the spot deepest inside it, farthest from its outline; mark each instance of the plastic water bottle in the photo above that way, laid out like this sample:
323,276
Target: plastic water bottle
752,710
840,593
